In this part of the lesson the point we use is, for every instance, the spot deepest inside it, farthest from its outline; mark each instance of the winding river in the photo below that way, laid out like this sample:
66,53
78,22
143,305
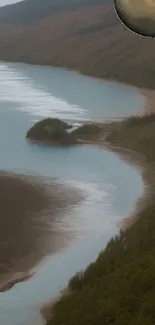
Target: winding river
111,186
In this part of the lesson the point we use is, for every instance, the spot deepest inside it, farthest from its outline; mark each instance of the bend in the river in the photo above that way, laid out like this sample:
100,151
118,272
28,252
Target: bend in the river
27,94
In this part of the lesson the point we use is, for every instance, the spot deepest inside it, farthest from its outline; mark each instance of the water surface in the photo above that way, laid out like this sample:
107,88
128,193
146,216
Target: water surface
56,92
27,94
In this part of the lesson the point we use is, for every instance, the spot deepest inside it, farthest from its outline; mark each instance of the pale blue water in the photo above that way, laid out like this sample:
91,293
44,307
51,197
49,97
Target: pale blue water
46,91
29,93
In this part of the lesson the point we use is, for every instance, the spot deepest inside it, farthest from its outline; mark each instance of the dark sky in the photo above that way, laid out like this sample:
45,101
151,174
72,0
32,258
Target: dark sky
7,2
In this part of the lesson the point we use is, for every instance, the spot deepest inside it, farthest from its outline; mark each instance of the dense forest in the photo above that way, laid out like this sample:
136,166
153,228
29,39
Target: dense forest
119,288
82,35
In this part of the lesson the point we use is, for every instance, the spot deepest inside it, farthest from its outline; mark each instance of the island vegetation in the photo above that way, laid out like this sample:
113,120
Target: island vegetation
56,132
52,131
119,287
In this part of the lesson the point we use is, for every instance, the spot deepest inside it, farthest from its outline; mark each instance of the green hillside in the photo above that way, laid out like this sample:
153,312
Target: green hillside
119,288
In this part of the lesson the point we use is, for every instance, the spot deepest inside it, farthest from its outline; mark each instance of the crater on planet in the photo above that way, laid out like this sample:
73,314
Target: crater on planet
137,15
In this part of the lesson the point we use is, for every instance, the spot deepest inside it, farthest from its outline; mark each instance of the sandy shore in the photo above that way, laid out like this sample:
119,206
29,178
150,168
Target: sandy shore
31,208
129,157
149,106
138,161
148,95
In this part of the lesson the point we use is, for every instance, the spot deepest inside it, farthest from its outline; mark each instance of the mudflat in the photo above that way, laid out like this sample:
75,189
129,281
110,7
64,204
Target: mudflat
29,209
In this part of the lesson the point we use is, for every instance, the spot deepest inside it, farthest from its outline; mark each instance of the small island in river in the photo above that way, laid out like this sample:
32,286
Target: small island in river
56,132
52,131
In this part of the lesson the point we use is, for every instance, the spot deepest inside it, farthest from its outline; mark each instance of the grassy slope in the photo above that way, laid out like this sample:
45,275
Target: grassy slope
119,288
90,39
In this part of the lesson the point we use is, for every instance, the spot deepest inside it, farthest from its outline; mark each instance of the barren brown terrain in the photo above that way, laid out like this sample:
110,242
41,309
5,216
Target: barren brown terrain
89,39
29,209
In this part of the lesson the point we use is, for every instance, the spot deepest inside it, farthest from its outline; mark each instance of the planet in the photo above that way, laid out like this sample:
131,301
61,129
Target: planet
137,15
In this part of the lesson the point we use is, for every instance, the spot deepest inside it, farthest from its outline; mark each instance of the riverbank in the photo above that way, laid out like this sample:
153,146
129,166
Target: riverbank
103,41
119,287
147,95
101,62
145,89
30,206
149,100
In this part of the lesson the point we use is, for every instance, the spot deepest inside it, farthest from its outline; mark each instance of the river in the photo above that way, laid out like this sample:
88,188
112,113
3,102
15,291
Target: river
111,186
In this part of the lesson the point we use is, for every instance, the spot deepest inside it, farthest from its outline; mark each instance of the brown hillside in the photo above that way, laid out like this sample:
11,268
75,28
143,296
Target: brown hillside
91,40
